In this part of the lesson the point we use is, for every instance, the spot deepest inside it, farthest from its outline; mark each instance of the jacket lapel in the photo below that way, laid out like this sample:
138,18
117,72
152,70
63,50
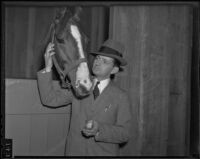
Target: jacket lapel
103,99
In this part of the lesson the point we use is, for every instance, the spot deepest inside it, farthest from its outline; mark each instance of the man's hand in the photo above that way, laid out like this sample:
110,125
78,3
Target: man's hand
91,128
48,57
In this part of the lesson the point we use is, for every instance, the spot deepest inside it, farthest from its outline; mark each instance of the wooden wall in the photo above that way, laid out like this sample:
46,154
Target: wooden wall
158,50
195,86
25,37
35,130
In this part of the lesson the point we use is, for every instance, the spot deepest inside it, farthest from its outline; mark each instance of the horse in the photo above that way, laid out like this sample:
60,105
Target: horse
69,58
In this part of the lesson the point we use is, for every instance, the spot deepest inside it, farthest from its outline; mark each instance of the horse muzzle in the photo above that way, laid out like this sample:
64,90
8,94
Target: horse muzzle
83,89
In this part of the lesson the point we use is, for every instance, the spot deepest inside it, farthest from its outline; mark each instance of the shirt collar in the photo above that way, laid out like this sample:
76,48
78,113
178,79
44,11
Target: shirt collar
102,85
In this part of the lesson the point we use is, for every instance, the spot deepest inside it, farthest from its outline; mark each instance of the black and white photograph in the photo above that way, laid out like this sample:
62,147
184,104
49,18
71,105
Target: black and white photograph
100,78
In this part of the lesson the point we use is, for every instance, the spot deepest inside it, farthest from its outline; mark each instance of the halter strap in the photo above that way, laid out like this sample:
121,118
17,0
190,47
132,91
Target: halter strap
64,83
75,64
64,72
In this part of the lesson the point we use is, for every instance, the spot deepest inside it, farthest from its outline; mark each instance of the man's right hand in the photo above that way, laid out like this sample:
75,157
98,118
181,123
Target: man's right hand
48,57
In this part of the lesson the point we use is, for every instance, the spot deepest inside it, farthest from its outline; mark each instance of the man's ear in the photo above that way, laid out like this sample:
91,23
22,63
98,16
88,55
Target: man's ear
115,70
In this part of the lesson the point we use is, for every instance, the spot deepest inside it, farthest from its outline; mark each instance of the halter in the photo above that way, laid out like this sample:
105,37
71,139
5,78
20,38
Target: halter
63,73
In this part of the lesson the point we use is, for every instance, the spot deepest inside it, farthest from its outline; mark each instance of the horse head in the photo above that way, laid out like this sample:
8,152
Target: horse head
70,44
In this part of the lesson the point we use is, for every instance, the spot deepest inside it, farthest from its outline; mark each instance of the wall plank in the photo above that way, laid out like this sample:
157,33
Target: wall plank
56,134
22,97
17,127
14,44
158,50
36,130
38,134
180,73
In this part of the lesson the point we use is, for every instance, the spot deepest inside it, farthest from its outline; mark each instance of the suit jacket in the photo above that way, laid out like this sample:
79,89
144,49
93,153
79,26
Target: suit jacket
111,110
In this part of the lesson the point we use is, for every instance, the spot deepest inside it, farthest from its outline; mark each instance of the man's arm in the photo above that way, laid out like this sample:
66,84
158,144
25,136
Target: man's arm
49,94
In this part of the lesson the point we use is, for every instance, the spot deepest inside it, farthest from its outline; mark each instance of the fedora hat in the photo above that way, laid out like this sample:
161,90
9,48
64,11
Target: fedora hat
112,48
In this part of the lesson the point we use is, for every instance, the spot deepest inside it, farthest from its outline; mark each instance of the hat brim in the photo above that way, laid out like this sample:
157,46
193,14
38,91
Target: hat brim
120,59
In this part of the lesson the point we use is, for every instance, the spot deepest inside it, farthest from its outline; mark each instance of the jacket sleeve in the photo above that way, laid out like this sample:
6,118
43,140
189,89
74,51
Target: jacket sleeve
49,94
120,132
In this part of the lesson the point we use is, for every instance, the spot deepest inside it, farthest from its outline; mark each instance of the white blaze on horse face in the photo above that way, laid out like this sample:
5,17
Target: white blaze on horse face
77,36
83,77
82,73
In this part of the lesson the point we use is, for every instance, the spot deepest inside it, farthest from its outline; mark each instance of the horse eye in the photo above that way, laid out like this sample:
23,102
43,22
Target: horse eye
60,40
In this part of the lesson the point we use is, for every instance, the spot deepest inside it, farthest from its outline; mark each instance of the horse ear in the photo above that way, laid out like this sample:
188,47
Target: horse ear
78,10
60,12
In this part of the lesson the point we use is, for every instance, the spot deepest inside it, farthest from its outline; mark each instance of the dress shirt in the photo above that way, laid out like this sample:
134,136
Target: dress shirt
102,85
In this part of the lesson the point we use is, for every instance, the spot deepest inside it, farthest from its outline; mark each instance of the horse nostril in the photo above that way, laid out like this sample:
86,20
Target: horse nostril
85,81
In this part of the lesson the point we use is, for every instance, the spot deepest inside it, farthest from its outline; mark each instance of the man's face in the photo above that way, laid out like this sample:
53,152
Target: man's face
103,66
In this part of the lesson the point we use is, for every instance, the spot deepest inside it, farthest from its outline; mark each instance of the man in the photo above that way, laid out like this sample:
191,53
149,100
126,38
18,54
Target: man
100,121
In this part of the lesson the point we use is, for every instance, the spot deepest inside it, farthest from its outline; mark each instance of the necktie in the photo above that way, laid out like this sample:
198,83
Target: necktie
96,90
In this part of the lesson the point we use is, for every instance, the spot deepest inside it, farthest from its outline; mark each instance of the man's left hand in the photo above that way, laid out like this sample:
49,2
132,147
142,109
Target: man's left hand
91,128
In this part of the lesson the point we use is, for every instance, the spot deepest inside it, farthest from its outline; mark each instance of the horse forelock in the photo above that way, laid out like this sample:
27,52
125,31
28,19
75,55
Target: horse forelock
65,18
62,26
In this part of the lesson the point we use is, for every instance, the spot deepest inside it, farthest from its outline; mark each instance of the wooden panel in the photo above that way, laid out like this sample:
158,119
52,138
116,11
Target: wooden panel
48,134
17,127
13,43
36,130
30,38
26,28
56,134
38,135
180,65
99,17
121,28
9,33
157,40
43,18
22,97
195,85
146,85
